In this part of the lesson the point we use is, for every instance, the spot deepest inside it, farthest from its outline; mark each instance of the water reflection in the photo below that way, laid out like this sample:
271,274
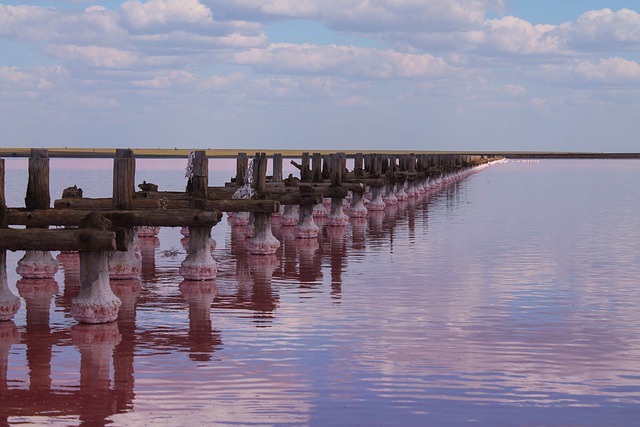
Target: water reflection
449,309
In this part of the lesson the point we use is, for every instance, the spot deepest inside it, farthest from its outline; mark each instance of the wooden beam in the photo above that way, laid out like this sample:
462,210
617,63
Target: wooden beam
151,218
88,240
235,205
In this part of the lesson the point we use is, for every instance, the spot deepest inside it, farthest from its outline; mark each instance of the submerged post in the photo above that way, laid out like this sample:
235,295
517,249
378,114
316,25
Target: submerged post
263,241
38,264
124,264
336,217
199,264
9,303
96,302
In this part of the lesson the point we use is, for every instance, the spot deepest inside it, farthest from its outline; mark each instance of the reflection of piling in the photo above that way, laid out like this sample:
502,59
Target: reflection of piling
70,262
9,335
262,301
202,340
96,344
337,239
37,294
123,356
148,246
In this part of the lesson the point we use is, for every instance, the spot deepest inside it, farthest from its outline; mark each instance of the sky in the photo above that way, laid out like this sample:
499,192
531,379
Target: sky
464,75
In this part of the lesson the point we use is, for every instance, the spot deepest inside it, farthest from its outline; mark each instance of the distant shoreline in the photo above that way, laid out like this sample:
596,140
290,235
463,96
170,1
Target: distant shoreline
296,153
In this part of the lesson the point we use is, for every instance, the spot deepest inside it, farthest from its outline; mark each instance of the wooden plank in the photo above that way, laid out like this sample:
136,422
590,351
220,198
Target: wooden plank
235,205
88,240
151,218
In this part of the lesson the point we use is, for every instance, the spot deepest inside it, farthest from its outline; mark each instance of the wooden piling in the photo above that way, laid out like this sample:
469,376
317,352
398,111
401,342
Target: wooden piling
38,264
123,264
199,264
277,167
242,164
262,242
316,167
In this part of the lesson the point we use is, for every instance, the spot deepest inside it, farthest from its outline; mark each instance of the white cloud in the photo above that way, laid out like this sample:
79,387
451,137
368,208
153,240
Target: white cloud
605,72
367,16
95,25
218,82
515,35
609,71
162,13
94,56
603,29
342,60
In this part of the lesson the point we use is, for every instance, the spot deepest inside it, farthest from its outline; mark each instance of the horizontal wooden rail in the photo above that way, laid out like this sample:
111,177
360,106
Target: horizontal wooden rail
235,205
152,218
86,240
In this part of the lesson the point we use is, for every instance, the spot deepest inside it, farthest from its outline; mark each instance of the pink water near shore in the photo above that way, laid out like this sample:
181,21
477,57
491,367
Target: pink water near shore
506,299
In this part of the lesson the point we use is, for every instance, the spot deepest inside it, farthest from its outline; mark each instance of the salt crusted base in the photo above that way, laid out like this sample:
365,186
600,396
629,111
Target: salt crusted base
93,306
37,265
306,227
336,217
263,242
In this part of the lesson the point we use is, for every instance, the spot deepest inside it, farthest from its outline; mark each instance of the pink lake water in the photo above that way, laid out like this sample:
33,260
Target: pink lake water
509,298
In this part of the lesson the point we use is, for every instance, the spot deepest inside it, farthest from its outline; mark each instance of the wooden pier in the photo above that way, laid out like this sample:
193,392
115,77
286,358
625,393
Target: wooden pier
102,229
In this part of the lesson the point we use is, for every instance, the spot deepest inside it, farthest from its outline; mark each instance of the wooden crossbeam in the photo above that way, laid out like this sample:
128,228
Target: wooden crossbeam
86,239
152,218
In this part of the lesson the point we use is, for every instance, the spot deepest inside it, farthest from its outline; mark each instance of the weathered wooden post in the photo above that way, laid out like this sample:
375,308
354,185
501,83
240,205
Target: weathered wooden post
9,303
336,217
357,208
199,264
126,264
390,198
306,227
376,204
243,184
358,166
38,264
277,178
411,178
319,211
420,171
263,242
277,167
242,164
401,177
305,168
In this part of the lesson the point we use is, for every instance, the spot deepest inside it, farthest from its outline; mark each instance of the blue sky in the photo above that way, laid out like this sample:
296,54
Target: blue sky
331,74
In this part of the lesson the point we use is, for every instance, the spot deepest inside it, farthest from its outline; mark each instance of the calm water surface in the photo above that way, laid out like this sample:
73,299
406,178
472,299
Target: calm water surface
507,299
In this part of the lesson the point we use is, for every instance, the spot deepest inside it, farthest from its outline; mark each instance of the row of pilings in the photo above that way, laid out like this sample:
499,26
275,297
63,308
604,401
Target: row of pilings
102,230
